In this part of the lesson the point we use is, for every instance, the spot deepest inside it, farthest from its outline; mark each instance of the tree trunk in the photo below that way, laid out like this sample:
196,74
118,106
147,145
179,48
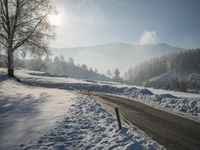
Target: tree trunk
10,63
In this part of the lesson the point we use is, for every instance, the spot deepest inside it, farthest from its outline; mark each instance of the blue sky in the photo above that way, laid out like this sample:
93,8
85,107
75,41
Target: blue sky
92,22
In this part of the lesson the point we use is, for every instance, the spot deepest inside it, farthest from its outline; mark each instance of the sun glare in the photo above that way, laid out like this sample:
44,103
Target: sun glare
55,19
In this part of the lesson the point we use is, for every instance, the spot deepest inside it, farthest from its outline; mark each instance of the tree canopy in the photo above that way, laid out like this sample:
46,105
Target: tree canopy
24,26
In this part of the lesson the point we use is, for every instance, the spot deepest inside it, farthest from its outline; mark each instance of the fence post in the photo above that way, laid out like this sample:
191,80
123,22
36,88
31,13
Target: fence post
118,118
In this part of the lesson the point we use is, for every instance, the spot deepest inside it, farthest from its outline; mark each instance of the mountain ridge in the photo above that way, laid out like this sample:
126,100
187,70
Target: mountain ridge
115,55
116,43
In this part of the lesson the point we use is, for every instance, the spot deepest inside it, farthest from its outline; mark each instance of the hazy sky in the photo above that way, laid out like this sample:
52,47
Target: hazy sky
92,22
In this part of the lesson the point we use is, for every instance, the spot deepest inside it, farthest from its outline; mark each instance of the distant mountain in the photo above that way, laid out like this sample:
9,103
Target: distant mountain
114,55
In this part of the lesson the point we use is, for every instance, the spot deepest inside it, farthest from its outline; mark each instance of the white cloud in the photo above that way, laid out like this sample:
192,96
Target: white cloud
148,37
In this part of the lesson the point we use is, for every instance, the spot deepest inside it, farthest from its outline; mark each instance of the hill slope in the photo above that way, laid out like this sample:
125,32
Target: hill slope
177,71
115,55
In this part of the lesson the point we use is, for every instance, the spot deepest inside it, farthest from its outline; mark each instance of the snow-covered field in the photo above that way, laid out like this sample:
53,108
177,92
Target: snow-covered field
184,104
27,112
34,117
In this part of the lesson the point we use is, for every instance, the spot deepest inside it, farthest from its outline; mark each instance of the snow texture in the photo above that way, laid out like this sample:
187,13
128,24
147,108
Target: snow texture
188,107
184,104
27,112
88,126
168,77
43,118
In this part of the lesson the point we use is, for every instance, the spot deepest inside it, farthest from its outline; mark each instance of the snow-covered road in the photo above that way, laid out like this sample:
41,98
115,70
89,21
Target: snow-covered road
173,131
185,104
49,118
88,126
36,113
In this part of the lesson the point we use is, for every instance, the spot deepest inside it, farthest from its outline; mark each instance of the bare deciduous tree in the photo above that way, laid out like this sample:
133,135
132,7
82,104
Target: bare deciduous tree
117,74
24,26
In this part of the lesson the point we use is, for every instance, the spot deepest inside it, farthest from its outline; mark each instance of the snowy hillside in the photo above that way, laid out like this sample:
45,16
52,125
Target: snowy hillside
177,71
168,77
35,117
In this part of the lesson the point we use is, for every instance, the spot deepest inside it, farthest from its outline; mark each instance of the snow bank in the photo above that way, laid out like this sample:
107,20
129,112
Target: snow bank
188,107
181,103
88,126
43,118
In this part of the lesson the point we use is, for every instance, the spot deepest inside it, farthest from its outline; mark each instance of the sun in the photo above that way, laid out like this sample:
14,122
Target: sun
55,19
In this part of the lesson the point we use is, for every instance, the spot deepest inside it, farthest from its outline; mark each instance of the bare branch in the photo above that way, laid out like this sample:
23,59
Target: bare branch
2,43
24,27
3,36
27,37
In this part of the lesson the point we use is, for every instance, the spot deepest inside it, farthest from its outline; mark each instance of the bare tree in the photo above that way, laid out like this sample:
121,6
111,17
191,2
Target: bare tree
117,74
110,73
71,60
24,27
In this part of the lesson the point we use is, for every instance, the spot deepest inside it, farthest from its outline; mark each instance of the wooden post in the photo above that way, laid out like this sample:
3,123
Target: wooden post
118,118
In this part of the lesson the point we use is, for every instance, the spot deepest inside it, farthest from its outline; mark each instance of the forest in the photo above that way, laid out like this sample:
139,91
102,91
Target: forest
58,66
177,71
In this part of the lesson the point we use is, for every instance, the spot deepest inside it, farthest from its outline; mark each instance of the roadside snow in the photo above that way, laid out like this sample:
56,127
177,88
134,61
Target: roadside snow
188,107
88,126
185,104
174,93
46,118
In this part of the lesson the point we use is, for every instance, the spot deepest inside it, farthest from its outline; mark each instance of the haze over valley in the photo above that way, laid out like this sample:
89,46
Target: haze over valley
115,55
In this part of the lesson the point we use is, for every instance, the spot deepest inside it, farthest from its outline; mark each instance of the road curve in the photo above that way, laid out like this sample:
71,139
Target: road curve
172,131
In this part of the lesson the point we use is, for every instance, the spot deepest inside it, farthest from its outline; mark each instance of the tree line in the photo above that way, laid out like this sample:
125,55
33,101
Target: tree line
185,64
61,66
